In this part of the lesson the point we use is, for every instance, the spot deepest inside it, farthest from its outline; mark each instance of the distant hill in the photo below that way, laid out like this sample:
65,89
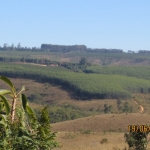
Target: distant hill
107,122
80,48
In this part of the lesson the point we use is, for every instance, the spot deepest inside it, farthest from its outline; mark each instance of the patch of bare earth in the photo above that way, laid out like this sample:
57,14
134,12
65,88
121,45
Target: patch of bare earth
65,59
29,63
96,61
121,62
128,62
141,107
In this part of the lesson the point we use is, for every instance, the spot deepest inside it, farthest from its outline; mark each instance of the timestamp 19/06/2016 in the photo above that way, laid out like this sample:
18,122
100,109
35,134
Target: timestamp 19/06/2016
139,128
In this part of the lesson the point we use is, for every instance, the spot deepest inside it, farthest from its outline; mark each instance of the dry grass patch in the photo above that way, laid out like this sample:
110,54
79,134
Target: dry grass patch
108,122
144,100
44,92
91,141
110,128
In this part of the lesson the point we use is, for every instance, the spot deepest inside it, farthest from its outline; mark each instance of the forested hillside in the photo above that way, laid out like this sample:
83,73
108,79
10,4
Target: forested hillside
81,85
132,71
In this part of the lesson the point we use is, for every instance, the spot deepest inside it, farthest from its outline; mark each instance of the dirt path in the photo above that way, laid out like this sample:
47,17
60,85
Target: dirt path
141,107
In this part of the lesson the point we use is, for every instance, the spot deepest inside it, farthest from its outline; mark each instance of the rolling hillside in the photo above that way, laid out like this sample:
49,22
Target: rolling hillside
88,133
101,123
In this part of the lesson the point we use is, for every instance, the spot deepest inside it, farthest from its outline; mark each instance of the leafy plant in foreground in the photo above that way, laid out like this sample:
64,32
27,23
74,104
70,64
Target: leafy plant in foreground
19,127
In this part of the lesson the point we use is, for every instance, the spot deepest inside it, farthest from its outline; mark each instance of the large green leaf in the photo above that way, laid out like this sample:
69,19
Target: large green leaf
3,92
3,120
24,101
6,104
6,80
31,116
1,106
29,110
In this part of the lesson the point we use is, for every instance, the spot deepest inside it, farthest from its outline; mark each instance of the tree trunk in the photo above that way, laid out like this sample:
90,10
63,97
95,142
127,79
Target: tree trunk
13,109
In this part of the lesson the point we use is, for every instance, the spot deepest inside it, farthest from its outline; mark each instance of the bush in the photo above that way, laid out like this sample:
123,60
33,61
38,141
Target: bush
104,141
19,127
85,131
137,139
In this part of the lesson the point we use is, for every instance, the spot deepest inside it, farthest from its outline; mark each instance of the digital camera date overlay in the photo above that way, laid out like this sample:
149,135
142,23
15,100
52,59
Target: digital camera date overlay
139,128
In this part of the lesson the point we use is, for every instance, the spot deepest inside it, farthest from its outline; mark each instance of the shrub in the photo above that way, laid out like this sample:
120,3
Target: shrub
137,140
85,131
19,127
104,141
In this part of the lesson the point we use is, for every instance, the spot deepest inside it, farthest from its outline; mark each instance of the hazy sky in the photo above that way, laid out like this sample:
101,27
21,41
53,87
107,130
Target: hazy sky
121,24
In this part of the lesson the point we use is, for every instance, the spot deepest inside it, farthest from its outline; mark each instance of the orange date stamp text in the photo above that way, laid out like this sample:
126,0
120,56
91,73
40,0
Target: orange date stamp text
139,128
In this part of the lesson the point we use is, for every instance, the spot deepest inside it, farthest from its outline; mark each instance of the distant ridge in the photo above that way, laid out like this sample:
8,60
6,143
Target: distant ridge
80,48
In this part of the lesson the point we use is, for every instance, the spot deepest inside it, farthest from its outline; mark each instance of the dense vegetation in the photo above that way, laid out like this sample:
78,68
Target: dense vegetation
81,85
132,71
66,112
20,129
64,49
58,48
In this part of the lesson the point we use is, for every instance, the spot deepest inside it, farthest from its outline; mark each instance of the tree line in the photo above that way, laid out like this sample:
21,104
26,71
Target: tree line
57,48
65,49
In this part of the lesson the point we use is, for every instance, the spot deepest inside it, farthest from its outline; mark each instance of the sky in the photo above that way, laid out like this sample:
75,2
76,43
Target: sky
120,24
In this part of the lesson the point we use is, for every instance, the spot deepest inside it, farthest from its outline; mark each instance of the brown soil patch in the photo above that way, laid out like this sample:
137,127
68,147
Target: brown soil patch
65,59
121,62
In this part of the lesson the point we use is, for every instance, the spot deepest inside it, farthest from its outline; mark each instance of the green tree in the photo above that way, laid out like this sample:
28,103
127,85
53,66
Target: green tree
20,129
118,103
83,61
12,47
19,46
126,107
107,109
137,140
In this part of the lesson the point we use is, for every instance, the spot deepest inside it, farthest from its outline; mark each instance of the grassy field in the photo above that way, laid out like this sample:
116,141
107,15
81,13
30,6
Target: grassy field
92,141
101,123
88,133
